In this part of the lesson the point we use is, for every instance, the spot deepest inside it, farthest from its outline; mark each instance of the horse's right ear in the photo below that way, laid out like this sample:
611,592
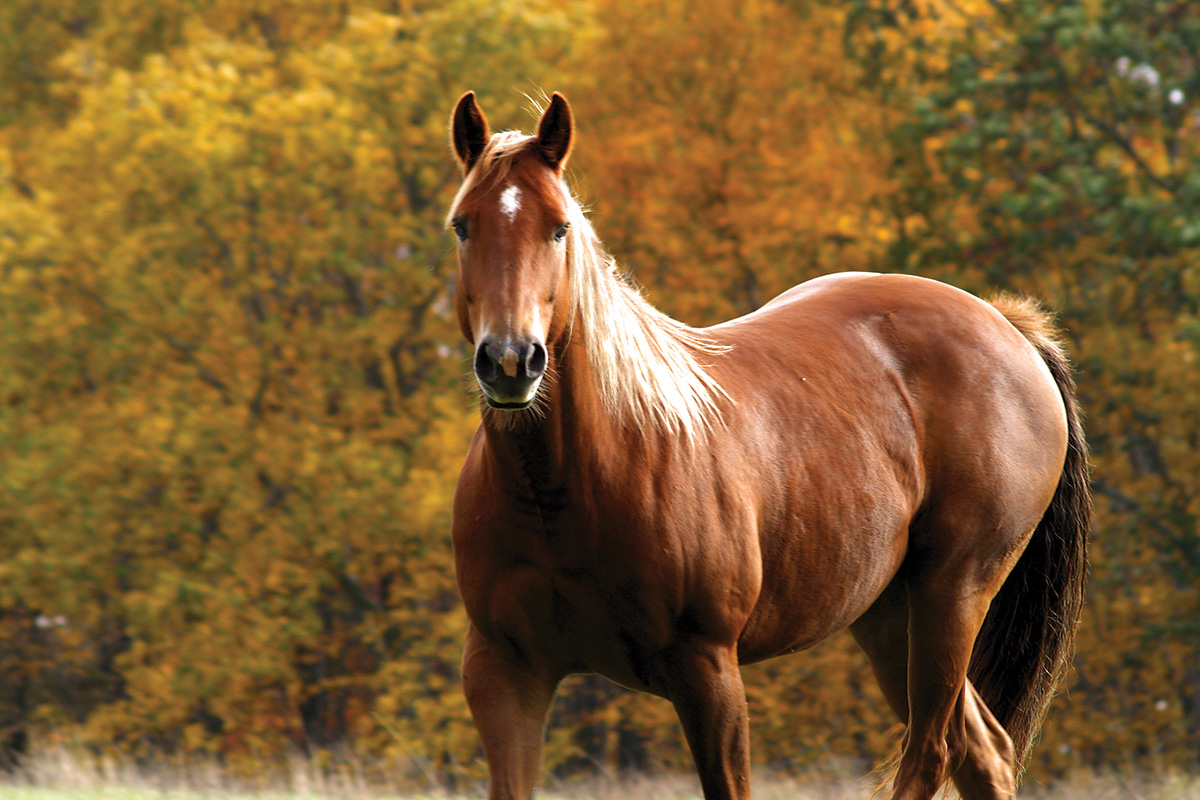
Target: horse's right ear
468,131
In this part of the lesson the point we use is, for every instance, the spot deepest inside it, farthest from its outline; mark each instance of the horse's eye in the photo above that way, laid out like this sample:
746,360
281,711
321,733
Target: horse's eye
561,233
460,229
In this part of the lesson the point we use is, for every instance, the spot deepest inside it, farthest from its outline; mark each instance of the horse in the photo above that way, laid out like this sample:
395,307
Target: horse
660,504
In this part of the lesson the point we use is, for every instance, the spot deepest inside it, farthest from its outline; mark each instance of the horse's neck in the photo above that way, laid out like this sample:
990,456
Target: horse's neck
574,430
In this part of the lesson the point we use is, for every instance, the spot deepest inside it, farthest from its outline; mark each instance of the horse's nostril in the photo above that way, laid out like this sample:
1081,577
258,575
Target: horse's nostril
535,360
485,365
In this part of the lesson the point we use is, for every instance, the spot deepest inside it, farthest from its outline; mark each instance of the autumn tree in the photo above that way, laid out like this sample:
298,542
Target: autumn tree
232,409
727,149
231,387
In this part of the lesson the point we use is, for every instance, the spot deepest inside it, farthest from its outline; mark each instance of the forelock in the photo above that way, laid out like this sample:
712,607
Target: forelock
492,166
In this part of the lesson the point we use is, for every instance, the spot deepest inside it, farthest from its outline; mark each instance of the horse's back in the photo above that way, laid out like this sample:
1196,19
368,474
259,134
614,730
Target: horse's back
970,378
943,349
940,365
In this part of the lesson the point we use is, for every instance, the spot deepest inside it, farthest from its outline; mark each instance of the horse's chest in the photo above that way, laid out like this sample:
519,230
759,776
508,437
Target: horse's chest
592,615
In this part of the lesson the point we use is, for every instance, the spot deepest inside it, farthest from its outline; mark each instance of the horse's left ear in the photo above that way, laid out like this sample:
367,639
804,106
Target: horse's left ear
555,132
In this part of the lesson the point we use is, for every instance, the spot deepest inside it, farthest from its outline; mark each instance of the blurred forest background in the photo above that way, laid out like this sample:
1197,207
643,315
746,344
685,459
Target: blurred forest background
232,393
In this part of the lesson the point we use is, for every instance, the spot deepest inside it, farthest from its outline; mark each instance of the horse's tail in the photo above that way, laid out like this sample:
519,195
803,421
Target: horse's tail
1024,650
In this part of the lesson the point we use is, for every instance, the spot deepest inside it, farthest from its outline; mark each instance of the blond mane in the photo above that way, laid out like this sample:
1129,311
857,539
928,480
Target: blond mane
647,365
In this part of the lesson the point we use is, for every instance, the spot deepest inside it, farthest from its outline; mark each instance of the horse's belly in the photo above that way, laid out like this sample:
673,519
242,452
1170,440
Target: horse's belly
788,624
817,584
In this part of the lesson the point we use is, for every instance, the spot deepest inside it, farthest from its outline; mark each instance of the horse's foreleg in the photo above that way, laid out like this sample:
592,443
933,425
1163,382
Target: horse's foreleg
509,703
705,686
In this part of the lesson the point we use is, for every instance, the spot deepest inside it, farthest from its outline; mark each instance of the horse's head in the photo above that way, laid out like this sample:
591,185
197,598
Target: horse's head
511,220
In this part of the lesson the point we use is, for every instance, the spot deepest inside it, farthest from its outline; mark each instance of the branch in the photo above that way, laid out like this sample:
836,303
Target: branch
1113,134
1132,505
188,351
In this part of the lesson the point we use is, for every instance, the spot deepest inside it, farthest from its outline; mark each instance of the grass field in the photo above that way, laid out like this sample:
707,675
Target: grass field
1090,788
62,775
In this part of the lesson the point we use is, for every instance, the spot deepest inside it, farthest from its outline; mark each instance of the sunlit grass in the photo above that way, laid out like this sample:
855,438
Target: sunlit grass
64,775
121,793
1090,788
57,773
116,793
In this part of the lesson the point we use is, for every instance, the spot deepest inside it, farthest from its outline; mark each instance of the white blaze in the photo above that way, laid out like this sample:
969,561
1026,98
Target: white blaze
510,202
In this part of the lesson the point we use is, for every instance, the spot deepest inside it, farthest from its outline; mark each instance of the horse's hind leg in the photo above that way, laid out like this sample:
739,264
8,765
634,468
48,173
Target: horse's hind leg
882,633
987,770
950,731
974,746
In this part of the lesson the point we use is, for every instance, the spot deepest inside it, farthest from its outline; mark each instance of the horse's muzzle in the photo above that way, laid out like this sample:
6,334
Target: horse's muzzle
509,371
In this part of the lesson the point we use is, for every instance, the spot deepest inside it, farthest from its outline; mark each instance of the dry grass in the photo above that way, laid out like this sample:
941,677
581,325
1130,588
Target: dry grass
687,787
1119,786
62,774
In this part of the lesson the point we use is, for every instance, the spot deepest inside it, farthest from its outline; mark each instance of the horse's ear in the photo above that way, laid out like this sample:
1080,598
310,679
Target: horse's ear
468,131
555,132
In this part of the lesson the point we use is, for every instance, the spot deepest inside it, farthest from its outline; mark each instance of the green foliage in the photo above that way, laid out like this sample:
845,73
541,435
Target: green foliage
1052,149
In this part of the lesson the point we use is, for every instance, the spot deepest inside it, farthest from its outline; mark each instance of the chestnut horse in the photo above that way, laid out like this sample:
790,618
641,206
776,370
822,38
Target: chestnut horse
661,504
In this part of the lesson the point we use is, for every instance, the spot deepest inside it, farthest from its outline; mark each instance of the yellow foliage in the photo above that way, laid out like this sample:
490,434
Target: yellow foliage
231,402
746,164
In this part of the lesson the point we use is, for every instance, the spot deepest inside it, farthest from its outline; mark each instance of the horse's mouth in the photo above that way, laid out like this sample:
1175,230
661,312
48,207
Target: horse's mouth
511,394
507,406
